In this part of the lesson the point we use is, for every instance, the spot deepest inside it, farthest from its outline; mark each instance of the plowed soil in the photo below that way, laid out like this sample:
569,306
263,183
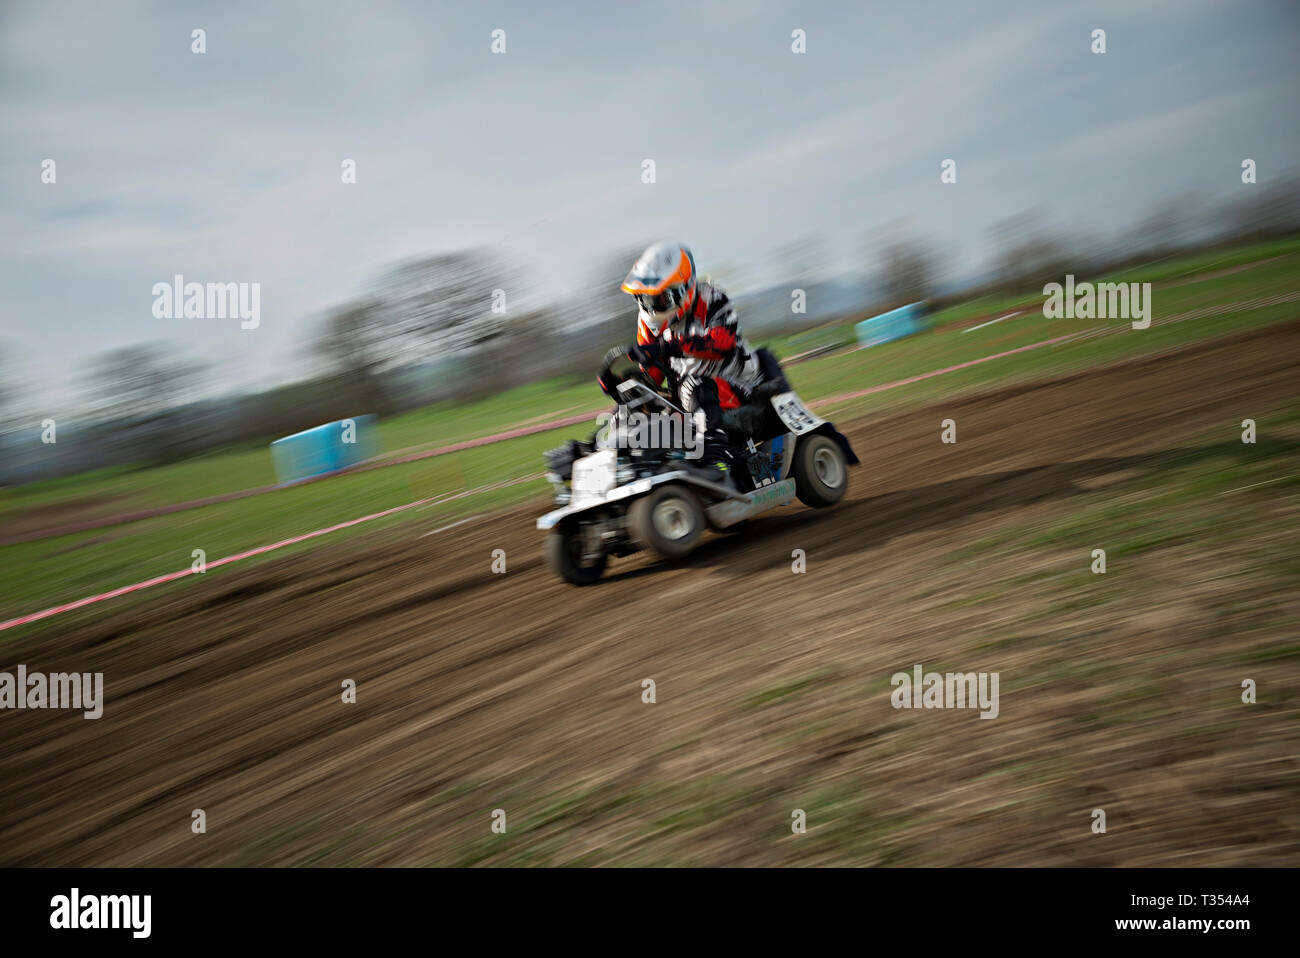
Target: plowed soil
479,691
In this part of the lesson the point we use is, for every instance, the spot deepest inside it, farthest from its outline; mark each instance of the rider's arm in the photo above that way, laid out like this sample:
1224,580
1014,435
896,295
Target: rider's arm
645,338
714,337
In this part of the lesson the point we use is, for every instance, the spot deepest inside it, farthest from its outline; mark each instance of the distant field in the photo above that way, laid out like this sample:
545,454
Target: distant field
41,573
123,489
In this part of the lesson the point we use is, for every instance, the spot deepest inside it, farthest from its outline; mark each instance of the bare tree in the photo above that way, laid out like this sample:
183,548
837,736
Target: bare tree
134,393
140,380
358,344
600,316
1027,254
1260,211
1169,225
907,271
444,303
530,348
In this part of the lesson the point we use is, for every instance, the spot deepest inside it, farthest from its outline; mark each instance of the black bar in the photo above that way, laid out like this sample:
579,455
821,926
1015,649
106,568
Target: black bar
905,907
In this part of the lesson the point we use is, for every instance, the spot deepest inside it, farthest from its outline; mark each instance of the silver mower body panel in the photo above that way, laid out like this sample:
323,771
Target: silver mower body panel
714,491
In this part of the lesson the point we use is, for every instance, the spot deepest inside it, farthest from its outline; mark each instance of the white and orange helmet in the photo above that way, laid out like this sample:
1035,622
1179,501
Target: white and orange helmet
663,282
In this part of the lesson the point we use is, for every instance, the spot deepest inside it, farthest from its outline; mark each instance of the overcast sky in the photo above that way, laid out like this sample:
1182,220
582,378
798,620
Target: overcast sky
225,167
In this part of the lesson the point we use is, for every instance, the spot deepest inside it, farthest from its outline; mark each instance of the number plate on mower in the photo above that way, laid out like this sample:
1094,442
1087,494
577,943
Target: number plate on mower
794,413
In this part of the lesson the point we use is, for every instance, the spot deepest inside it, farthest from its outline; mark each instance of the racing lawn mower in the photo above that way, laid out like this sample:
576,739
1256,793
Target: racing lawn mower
628,488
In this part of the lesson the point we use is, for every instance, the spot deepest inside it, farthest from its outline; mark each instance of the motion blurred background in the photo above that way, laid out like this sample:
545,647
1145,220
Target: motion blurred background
522,171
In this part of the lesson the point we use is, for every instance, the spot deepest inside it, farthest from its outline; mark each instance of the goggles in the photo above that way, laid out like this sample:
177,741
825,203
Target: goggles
670,298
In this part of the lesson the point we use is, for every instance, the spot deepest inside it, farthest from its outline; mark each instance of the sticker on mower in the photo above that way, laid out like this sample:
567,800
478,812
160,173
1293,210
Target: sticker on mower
795,414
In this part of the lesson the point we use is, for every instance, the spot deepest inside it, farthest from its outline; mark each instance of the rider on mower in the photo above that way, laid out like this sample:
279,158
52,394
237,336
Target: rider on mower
690,326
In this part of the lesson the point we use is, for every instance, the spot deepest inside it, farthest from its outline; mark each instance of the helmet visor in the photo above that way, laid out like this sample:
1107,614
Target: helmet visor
661,302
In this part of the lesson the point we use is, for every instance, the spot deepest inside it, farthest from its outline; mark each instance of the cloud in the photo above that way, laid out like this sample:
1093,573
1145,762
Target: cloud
225,166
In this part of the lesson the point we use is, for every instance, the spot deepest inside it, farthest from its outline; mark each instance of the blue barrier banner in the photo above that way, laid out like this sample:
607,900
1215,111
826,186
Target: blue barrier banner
895,324
325,449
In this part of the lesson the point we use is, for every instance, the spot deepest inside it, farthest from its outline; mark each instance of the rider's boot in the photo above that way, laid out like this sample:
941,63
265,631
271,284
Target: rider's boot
715,460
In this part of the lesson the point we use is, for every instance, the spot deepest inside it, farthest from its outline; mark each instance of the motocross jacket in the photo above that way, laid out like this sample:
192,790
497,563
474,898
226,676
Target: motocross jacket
705,343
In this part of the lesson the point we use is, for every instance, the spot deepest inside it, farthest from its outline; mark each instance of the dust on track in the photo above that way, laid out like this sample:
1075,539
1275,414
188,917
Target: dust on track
479,691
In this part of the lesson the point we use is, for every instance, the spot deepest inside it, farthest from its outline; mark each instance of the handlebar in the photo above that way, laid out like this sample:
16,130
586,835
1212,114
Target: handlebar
621,352
610,384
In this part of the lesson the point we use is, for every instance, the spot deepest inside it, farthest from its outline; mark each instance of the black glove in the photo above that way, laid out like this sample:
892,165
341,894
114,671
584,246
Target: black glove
609,383
646,354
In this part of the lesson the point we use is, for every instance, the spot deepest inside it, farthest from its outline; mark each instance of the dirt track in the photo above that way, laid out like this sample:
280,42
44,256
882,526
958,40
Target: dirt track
480,691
